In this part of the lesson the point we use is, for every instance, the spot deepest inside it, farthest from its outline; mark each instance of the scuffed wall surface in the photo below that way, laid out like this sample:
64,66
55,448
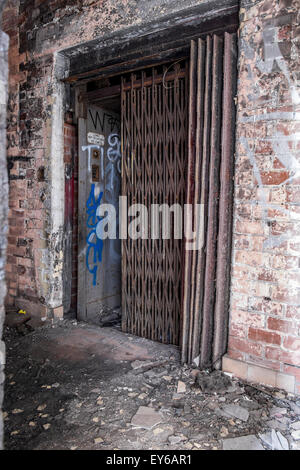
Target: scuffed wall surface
62,23
3,201
29,121
265,312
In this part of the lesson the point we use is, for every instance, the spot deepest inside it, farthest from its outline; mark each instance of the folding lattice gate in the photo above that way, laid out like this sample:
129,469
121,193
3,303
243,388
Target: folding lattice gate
178,133
210,182
154,139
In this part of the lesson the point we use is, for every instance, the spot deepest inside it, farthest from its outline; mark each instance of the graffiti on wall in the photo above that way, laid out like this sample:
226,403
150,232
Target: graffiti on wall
107,190
94,243
280,143
112,188
114,165
100,120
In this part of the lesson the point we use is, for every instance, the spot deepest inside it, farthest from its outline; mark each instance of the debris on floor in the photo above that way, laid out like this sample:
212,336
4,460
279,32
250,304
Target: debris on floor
242,443
236,411
213,382
75,386
110,318
146,418
19,320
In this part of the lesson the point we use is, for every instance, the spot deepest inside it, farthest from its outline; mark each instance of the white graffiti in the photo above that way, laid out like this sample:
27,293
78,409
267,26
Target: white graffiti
113,168
272,54
90,148
279,141
114,151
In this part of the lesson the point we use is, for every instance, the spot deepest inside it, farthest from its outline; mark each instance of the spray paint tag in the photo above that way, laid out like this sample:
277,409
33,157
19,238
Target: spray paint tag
96,139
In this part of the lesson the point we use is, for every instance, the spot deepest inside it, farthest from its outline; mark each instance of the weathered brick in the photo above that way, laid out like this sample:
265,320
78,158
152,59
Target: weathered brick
293,312
265,121
264,336
292,343
251,227
247,318
245,346
282,326
278,354
238,330
274,177
266,306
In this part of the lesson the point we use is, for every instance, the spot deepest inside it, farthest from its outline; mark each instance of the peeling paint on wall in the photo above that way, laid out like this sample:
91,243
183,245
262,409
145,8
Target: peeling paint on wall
272,56
265,287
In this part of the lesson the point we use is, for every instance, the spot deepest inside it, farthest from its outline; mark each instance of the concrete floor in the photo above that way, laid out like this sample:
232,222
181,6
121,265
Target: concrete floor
78,386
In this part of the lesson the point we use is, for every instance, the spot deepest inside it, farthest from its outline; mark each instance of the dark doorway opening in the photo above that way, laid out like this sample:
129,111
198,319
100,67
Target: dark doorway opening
154,138
152,104
124,67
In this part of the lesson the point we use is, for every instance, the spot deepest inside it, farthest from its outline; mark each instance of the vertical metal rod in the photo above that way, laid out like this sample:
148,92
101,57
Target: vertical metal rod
226,200
190,194
195,308
204,191
212,224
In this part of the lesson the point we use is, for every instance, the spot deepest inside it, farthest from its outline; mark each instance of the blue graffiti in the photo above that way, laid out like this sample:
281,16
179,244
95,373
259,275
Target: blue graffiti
93,242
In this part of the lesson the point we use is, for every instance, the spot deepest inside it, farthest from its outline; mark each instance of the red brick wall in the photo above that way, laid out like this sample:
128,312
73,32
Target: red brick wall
265,312
9,25
28,110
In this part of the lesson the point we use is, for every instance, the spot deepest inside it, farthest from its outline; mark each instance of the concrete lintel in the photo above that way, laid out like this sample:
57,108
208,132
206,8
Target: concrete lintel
171,31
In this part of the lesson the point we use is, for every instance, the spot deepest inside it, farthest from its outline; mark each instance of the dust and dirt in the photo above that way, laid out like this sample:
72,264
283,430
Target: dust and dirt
77,386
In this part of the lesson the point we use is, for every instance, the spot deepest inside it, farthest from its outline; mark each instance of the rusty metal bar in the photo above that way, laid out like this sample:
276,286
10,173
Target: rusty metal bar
195,307
151,130
113,91
101,93
226,201
185,352
127,67
204,195
184,148
212,223
197,193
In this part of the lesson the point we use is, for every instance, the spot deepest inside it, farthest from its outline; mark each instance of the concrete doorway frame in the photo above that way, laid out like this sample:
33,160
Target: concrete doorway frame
133,48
